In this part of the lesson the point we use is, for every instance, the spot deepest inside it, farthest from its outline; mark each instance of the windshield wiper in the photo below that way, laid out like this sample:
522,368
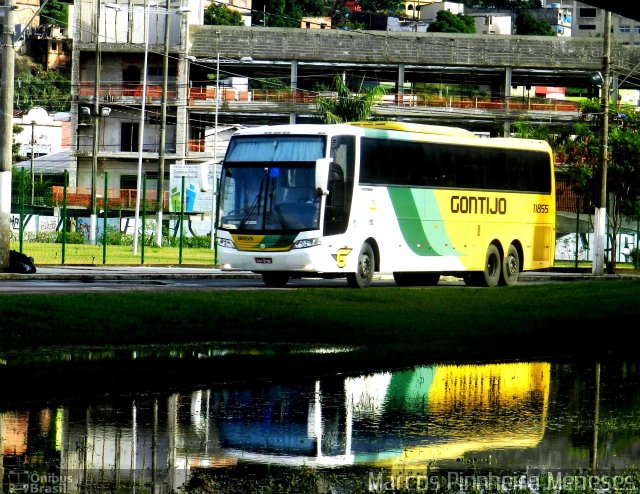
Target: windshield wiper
255,204
276,208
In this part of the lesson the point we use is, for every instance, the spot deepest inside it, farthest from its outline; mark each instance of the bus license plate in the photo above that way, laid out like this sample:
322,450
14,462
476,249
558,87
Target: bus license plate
264,260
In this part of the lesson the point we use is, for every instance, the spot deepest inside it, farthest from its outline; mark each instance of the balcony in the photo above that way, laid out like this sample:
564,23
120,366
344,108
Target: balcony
80,197
132,93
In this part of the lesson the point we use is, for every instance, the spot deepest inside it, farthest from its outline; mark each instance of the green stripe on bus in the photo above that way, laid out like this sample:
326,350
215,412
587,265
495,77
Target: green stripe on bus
412,207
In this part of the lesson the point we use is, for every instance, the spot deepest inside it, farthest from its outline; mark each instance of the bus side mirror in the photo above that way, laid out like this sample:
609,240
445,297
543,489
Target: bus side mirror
203,176
322,174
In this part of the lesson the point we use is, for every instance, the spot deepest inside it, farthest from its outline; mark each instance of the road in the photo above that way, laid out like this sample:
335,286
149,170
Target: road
102,279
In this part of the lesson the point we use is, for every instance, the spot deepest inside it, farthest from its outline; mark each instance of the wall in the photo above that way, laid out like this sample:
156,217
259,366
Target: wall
447,49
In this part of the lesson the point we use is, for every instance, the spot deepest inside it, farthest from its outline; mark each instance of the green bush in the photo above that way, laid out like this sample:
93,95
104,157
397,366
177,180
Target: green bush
113,236
70,237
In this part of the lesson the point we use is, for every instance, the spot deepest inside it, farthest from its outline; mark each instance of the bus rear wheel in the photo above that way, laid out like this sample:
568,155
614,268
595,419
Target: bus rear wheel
510,267
416,279
364,270
492,272
275,279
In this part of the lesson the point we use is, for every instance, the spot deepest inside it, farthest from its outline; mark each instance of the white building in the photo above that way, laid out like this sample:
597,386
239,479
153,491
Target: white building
429,12
42,133
498,23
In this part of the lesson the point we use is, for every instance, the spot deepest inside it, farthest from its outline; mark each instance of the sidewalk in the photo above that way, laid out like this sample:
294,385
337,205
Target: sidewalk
99,272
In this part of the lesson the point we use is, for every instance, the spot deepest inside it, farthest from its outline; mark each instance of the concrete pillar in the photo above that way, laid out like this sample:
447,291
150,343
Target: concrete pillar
182,91
400,87
294,87
507,95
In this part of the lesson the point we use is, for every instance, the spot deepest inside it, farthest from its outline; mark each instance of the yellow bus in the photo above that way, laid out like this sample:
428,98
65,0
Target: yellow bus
414,201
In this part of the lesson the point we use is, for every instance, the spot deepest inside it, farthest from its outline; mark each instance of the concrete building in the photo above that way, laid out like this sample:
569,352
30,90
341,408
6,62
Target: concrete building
559,18
42,133
588,21
116,37
49,46
493,23
429,12
315,23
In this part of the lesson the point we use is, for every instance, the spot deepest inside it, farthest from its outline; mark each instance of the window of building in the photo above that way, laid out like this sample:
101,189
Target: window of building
636,29
625,29
129,137
128,181
587,27
587,12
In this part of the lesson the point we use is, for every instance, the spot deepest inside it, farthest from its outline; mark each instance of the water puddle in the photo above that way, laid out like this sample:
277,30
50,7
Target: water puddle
372,431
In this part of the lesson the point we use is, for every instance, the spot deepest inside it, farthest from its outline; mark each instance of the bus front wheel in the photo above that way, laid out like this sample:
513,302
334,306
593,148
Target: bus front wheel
510,267
364,270
275,279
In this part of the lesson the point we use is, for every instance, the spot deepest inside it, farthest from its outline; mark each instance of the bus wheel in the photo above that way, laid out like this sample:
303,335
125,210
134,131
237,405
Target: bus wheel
416,279
510,267
492,270
364,271
275,279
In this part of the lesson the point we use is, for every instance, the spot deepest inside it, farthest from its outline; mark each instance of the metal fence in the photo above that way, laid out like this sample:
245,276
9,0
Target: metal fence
62,234
54,227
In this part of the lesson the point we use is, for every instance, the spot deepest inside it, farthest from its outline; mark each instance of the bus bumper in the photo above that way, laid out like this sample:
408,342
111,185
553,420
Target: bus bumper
301,260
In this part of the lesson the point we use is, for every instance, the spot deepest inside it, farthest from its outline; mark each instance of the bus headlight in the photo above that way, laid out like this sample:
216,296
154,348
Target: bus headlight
226,242
305,243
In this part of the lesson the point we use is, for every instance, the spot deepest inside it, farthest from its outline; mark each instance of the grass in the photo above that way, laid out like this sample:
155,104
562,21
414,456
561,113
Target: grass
450,323
51,254
386,328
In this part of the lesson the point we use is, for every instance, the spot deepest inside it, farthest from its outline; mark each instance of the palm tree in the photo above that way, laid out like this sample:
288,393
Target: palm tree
347,106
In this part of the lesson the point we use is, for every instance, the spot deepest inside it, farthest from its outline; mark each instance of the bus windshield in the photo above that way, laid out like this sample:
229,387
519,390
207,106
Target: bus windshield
274,198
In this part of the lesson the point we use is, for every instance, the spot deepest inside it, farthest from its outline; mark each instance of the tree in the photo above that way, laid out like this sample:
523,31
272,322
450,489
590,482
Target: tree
47,89
527,23
581,152
381,6
55,12
285,13
217,14
623,170
446,22
347,106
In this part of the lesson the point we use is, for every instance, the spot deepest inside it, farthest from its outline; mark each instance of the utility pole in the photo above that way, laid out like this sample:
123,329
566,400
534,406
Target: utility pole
600,216
33,144
6,129
163,128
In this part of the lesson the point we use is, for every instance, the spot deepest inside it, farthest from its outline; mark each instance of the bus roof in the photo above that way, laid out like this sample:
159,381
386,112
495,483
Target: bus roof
416,128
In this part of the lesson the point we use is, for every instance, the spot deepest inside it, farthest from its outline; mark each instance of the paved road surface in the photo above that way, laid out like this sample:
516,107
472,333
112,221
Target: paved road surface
59,279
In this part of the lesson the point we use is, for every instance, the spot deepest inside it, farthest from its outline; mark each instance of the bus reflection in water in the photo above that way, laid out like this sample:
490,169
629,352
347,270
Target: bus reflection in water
411,418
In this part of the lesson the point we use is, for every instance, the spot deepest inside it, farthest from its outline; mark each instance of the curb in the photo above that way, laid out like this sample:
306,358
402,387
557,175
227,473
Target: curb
91,273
